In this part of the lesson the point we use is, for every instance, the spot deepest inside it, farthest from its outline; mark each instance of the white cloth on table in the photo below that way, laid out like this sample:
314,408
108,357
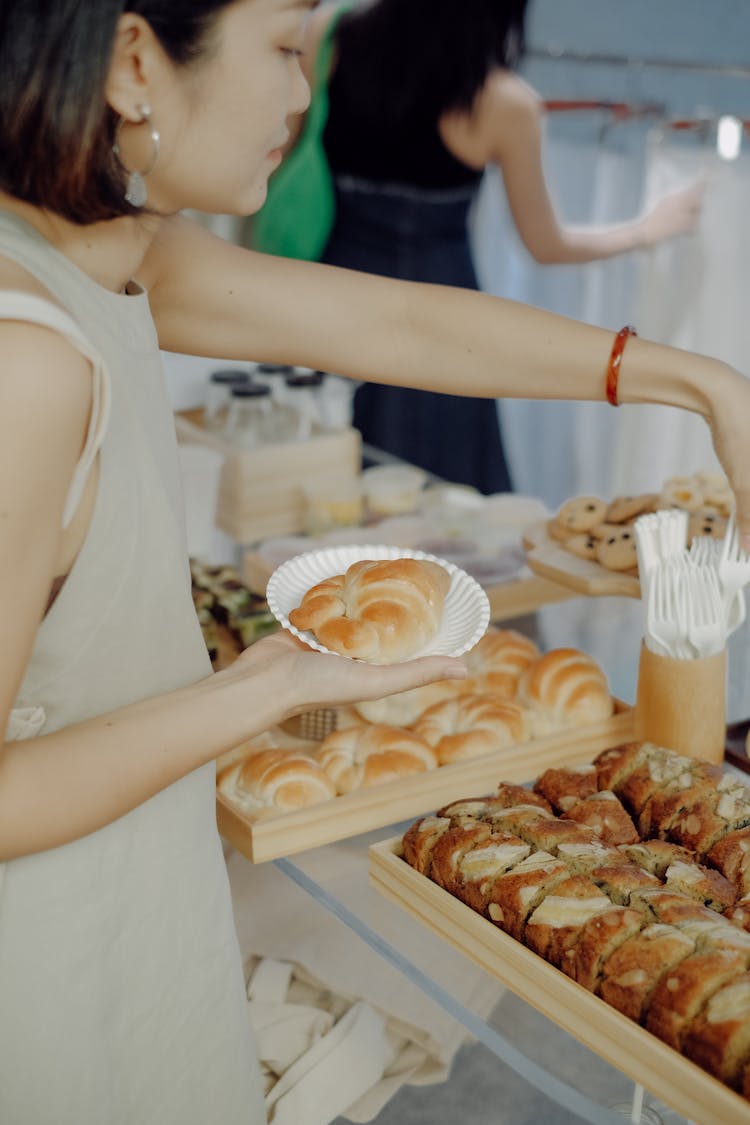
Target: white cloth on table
346,1010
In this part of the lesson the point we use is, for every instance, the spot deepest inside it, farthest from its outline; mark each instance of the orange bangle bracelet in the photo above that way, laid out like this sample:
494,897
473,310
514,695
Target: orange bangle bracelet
615,359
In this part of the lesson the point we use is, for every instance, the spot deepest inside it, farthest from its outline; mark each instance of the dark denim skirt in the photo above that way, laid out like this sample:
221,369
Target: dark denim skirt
421,236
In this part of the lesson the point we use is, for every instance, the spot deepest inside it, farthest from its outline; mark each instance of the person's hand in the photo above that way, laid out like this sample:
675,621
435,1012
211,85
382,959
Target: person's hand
672,215
309,679
728,415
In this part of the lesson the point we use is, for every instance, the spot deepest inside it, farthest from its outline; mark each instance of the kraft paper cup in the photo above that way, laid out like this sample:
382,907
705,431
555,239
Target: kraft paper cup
681,704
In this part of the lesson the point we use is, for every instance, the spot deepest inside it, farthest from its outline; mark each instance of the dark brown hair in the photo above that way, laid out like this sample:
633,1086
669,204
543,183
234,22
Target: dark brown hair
56,129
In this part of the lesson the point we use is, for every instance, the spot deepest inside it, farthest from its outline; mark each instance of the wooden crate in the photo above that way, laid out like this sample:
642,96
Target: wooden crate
678,1082
270,835
261,490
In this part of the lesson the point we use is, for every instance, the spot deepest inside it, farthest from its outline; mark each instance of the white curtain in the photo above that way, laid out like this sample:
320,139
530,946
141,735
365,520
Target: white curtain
690,292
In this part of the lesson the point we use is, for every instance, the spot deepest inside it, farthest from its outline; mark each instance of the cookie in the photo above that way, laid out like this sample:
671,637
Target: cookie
681,492
624,509
617,551
582,513
710,524
583,546
555,530
602,530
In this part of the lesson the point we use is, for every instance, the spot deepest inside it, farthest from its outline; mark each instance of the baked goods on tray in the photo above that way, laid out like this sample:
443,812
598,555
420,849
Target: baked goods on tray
381,611
602,531
650,924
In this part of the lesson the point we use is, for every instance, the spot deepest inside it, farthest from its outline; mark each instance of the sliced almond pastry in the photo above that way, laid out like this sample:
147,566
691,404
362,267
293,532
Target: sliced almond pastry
559,918
596,941
718,1038
450,849
682,992
420,839
582,859
564,786
659,769
515,894
479,868
667,802
622,881
605,815
707,820
655,856
549,833
613,766
632,972
731,855
702,884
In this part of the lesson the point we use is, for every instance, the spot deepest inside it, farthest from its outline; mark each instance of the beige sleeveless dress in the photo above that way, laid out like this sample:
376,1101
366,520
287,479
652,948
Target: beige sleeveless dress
121,991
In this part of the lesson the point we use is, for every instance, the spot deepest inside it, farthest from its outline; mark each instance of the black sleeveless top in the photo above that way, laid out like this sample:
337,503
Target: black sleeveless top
359,143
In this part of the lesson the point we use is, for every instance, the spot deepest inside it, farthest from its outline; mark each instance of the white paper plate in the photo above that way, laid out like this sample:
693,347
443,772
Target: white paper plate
465,617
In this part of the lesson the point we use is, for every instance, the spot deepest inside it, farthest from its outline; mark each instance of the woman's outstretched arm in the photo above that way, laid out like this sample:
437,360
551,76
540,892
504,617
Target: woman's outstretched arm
215,299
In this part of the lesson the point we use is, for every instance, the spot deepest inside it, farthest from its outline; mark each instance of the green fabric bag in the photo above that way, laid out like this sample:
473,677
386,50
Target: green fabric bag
297,217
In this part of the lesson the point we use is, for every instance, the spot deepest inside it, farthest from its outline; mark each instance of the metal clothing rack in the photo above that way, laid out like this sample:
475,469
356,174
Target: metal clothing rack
636,62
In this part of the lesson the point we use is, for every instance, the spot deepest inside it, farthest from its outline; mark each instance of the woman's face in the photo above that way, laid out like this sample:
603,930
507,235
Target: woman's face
223,121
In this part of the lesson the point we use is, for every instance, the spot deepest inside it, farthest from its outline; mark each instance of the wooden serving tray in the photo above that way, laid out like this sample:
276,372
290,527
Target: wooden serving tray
270,835
633,1050
549,559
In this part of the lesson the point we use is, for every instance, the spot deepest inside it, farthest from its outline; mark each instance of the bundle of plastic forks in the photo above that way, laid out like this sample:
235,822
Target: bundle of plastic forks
694,599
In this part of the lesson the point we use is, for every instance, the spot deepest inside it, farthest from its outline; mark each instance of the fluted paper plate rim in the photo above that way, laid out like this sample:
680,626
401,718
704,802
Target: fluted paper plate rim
465,617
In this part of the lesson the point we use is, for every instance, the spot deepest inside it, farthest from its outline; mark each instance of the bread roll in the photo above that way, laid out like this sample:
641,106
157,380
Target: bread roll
564,688
281,779
381,612
404,708
372,755
471,726
496,663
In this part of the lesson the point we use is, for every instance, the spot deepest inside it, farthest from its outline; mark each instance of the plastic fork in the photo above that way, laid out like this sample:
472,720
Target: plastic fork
706,611
666,627
734,573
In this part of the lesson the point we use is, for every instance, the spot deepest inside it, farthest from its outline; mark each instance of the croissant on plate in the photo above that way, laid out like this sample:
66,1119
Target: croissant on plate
381,612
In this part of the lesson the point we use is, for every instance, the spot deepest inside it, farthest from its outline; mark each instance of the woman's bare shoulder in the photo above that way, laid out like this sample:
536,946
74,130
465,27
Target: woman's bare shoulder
506,94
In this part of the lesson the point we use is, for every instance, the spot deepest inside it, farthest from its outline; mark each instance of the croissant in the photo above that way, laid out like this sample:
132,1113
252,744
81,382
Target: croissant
468,726
381,612
281,779
404,708
372,755
495,664
562,688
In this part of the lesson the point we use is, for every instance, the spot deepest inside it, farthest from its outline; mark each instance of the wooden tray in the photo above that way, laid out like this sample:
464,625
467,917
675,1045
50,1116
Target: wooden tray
271,835
627,1046
550,560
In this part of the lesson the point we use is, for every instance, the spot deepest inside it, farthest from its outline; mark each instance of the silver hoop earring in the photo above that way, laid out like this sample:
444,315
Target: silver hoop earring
136,192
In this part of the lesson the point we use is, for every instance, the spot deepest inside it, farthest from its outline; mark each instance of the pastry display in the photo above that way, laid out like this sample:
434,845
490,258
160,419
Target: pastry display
227,610
602,531
650,924
379,611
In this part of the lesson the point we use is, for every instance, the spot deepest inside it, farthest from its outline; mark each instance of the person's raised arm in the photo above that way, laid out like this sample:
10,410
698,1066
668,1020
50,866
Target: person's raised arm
215,299
509,117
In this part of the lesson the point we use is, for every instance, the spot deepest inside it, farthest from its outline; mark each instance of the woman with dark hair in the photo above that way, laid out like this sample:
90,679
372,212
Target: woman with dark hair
121,992
421,99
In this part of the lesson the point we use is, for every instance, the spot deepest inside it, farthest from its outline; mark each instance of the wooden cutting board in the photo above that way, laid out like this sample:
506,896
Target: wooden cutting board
549,559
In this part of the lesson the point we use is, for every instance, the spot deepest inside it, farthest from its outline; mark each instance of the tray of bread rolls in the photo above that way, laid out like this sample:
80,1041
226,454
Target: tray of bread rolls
335,773
589,544
613,896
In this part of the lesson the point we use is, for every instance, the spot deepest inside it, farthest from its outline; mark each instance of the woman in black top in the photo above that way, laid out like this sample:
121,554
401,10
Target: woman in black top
422,97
